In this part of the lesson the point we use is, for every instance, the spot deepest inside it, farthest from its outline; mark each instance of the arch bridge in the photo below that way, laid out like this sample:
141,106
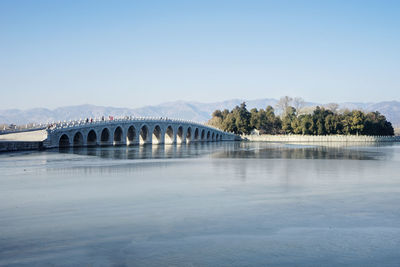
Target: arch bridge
130,131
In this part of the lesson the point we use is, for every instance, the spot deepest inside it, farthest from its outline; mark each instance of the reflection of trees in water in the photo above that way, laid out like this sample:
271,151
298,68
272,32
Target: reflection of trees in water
303,152
291,169
291,164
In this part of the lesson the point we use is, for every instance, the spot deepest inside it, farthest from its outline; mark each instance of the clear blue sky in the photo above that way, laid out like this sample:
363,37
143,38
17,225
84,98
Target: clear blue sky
135,53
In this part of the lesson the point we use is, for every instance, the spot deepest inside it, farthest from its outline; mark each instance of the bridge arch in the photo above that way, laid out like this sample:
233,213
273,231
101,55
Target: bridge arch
91,139
179,135
157,135
169,135
203,134
213,137
208,135
64,141
144,134
118,134
105,137
131,135
78,139
217,136
189,135
196,134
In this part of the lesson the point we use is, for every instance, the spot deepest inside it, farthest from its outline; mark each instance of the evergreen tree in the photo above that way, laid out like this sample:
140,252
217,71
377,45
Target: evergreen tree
242,119
357,122
287,120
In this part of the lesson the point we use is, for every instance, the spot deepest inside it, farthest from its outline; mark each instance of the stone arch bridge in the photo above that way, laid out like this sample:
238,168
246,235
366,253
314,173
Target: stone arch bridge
129,131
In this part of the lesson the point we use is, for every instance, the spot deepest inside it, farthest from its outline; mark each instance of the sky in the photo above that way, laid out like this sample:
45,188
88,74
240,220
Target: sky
136,53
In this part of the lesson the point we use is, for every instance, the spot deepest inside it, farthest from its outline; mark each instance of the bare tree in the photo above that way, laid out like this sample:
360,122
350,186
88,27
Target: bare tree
308,110
298,104
283,104
332,107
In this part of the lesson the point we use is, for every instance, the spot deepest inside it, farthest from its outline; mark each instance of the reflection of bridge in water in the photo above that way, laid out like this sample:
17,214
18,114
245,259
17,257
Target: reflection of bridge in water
173,151
132,131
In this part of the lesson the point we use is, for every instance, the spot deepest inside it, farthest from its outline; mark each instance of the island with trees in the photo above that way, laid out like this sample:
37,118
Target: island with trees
295,119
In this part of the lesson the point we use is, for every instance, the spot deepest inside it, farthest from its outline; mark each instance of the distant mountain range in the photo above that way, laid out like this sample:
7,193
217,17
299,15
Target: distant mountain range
195,111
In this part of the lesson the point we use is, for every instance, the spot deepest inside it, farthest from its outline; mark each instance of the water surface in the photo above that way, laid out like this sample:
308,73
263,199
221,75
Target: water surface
211,204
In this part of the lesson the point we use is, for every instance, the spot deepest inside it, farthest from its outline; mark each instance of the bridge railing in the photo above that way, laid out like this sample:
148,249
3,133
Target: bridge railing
126,119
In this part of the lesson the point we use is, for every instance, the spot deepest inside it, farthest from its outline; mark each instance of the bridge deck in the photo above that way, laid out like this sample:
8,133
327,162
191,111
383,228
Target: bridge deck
28,136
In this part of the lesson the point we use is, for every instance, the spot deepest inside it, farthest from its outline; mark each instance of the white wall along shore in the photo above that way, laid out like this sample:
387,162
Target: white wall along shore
289,138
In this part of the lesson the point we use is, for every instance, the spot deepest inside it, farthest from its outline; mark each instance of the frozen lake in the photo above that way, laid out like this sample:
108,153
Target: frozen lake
211,204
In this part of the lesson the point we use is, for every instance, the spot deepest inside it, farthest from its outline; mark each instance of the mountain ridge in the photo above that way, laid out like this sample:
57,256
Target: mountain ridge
187,110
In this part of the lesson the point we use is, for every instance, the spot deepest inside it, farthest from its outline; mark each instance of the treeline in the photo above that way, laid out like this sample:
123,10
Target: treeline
322,121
